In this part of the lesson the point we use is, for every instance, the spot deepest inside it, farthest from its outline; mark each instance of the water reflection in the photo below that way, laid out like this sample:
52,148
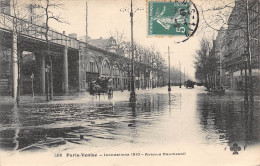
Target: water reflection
249,118
153,118
233,121
170,104
16,127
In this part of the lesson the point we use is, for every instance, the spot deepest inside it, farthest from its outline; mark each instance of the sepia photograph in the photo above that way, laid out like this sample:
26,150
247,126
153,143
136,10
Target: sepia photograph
129,83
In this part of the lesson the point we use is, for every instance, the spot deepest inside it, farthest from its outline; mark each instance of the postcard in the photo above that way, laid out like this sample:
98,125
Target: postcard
129,83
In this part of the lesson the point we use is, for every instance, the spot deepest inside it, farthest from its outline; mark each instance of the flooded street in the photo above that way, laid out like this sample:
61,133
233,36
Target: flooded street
198,125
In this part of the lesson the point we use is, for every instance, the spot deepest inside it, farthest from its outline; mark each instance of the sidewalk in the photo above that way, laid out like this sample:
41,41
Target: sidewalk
75,97
71,97
27,99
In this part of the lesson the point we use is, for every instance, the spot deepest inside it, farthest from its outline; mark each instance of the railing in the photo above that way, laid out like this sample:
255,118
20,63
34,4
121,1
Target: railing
26,28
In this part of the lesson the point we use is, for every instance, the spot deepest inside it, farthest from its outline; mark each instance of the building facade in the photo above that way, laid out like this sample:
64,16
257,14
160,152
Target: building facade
235,57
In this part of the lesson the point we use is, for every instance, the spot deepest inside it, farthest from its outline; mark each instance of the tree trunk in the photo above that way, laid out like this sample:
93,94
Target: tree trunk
19,75
15,68
249,53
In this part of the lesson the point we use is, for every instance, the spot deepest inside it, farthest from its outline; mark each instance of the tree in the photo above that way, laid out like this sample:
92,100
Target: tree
49,8
120,40
151,58
205,63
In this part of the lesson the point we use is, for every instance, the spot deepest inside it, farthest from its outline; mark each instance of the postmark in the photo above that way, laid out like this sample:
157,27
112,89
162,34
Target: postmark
178,18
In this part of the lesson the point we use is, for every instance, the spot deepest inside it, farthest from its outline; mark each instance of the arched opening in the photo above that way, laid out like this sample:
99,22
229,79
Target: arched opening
116,75
105,69
125,76
92,70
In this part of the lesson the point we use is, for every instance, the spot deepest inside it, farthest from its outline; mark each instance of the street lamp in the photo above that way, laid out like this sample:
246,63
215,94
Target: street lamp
169,82
47,70
180,72
32,76
184,78
132,93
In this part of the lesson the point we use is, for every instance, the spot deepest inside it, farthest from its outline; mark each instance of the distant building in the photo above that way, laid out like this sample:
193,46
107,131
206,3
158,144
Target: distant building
255,34
108,44
73,35
5,6
83,38
32,14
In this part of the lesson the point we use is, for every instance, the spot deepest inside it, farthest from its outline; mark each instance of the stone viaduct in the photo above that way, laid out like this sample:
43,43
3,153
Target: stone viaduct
75,64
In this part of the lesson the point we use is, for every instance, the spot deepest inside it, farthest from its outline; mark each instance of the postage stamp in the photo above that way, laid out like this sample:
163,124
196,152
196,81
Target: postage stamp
172,18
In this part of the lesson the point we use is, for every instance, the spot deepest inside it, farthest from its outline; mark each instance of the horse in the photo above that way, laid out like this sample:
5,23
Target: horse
101,86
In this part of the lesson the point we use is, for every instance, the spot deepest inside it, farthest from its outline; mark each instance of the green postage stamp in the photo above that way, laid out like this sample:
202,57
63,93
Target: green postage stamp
168,18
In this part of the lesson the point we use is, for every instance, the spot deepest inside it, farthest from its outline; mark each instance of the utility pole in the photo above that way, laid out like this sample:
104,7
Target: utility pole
132,93
83,58
47,70
180,72
86,24
169,82
157,71
184,77
32,77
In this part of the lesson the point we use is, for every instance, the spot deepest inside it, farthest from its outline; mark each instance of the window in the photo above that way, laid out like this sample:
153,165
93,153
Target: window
115,70
105,68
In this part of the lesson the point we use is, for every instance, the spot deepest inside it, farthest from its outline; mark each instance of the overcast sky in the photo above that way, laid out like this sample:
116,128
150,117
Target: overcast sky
105,17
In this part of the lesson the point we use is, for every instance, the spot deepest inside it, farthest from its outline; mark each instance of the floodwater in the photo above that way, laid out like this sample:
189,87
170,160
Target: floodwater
202,127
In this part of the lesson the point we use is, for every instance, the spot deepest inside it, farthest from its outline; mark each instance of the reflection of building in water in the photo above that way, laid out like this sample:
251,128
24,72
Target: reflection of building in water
231,123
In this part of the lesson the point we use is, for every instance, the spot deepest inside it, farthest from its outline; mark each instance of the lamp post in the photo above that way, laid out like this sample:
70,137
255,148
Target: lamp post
184,78
32,76
180,72
158,84
169,82
132,87
132,93
129,78
47,70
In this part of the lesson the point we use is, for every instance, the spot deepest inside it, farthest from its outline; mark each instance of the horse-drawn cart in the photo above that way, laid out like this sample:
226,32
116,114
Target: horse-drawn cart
101,86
